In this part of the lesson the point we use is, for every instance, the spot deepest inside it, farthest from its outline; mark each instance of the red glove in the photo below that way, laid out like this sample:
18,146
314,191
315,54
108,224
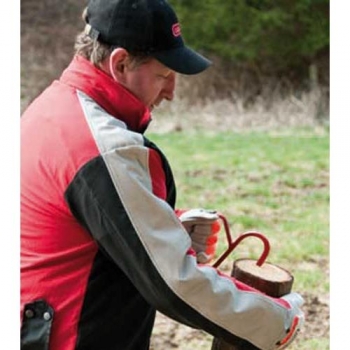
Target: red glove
203,227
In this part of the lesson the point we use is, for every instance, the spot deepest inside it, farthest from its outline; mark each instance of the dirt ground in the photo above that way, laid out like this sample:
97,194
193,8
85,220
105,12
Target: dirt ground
43,59
169,334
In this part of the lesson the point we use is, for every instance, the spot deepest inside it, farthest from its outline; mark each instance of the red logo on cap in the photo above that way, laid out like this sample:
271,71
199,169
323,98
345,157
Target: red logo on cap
176,29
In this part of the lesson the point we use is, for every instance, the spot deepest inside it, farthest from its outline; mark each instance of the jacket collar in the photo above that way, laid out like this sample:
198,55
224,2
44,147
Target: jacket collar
110,95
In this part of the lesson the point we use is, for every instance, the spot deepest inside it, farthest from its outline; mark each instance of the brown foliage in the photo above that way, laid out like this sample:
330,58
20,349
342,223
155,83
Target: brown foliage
48,31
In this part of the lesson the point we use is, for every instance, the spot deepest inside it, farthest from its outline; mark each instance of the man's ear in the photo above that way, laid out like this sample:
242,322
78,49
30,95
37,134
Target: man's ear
117,64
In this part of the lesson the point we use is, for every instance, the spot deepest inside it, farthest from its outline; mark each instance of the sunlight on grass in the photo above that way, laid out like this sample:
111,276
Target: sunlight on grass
278,185
272,183
310,278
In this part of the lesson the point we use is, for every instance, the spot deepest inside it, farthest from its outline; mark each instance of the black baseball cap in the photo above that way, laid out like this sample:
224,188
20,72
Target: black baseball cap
149,27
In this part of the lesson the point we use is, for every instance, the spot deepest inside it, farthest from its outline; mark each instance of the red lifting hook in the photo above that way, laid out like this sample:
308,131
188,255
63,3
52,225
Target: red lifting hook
232,245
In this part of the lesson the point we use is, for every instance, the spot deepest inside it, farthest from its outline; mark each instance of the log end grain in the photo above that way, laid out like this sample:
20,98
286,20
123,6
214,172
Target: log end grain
268,278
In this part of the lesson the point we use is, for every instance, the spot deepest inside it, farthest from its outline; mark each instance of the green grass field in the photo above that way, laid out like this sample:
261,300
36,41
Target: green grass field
277,184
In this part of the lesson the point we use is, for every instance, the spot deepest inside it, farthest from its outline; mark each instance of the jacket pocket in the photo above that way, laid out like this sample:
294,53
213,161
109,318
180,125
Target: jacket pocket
36,325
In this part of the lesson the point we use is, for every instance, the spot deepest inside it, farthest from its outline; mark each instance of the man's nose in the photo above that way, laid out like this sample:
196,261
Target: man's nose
169,88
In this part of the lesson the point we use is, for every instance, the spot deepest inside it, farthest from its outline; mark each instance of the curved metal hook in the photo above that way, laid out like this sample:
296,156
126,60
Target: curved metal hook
232,245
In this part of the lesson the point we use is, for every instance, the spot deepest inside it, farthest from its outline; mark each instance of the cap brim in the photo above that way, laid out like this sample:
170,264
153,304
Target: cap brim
183,60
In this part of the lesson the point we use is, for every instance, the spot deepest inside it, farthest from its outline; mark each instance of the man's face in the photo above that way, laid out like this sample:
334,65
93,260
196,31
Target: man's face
151,82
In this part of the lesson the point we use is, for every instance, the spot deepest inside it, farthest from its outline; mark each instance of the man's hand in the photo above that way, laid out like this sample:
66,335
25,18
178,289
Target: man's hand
203,227
295,301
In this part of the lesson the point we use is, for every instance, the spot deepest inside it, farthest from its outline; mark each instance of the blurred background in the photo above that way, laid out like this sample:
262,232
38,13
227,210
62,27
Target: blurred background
271,60
254,128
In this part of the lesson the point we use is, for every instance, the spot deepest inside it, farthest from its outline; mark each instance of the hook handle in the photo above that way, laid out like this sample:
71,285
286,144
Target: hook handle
233,244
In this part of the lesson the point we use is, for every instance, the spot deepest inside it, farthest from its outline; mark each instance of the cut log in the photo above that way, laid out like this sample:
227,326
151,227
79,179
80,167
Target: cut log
267,278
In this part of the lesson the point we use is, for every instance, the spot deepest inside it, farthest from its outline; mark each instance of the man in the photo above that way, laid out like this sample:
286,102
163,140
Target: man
102,245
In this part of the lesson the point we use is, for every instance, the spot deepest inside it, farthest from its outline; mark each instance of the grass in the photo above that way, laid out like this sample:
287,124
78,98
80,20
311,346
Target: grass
275,183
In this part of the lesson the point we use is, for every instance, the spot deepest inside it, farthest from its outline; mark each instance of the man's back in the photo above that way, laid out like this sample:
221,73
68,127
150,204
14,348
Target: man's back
65,279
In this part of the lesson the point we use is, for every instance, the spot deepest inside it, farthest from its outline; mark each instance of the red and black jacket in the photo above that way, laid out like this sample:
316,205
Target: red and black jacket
101,245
